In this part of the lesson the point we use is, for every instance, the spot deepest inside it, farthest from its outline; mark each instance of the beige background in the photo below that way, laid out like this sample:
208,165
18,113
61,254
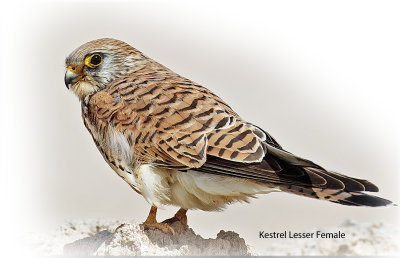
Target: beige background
321,77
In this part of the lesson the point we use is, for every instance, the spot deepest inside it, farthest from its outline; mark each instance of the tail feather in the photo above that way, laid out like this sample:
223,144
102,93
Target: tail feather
299,176
338,196
363,199
338,188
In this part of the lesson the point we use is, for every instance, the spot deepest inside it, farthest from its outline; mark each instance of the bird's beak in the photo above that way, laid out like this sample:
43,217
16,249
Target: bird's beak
71,76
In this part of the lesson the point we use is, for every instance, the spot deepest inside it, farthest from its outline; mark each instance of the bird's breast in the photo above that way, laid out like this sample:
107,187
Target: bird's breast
115,150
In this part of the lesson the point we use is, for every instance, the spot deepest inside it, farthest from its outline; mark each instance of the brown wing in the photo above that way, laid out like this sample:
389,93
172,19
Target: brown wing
173,122
170,121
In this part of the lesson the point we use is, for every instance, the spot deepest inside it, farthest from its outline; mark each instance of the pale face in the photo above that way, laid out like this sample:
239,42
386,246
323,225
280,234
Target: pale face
95,64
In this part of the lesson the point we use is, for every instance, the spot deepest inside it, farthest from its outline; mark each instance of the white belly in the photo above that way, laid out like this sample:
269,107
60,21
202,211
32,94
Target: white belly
194,190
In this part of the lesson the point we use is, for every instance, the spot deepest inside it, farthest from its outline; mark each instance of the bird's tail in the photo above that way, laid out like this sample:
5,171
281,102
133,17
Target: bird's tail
338,196
311,180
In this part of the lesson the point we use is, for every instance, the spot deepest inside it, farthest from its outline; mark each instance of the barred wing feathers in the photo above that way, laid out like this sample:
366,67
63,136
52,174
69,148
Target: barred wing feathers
173,122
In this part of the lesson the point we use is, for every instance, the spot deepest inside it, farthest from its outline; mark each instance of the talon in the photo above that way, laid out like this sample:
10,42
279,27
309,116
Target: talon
161,226
151,223
180,216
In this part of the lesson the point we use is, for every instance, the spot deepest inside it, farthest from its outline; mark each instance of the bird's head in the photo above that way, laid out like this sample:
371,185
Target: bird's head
93,65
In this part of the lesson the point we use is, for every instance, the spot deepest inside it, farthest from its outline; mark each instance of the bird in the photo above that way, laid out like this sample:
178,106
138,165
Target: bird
177,143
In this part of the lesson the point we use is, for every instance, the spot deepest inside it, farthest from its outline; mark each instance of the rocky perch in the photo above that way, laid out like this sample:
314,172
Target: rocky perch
131,240
104,237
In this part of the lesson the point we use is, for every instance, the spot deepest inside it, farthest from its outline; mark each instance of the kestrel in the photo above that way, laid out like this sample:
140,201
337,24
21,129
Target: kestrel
177,143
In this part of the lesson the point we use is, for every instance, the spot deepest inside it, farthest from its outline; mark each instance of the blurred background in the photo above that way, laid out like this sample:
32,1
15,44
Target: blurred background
321,76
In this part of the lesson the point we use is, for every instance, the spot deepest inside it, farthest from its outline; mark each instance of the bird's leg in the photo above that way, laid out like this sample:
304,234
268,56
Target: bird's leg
180,216
151,222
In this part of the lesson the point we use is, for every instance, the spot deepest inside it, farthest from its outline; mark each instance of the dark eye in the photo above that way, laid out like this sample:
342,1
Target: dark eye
96,59
93,61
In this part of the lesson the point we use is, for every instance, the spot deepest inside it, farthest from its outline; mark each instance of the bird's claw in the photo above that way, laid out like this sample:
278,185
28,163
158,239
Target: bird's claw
161,226
179,216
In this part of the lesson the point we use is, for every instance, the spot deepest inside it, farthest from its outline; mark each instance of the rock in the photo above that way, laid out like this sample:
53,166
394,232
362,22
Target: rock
98,237
130,240
87,245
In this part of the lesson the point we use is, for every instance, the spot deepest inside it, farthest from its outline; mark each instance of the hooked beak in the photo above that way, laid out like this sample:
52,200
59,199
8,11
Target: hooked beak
71,77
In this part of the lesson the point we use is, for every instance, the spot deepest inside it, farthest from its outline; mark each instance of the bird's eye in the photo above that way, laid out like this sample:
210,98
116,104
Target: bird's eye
93,61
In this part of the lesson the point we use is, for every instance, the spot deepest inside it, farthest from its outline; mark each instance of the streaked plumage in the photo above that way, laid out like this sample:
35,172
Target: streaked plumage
177,143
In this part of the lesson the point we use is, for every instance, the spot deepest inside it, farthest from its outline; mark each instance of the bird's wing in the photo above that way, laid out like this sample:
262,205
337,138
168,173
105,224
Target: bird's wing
175,122
285,169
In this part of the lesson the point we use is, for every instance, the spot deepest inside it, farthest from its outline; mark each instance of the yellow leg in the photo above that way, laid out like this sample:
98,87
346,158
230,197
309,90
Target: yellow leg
180,216
151,222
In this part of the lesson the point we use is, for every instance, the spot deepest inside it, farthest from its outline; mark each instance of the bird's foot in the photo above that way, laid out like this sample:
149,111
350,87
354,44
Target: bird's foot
156,225
179,216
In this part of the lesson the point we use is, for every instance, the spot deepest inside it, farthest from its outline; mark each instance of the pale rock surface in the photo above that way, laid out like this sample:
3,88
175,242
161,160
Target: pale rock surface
52,243
99,237
130,240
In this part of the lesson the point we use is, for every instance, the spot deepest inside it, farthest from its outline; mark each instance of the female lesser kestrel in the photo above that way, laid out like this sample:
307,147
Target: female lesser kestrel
175,142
